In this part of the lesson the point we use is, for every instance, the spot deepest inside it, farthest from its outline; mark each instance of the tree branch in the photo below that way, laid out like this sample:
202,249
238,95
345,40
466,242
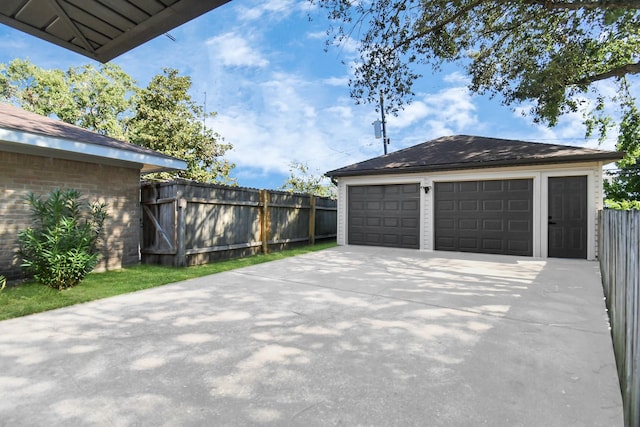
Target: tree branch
586,4
440,25
621,71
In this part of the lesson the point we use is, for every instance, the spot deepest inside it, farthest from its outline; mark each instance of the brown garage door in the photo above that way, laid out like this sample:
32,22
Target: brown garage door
493,217
384,215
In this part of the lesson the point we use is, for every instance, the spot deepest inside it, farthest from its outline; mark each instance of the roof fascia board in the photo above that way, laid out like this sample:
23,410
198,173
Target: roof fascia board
606,158
150,162
182,12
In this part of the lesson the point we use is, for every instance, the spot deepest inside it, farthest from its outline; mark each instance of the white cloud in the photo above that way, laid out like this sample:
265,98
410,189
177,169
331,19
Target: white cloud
233,50
296,121
317,35
337,81
570,129
449,111
457,78
273,9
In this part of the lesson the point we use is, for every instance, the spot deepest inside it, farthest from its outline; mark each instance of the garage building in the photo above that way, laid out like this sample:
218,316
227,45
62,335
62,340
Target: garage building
476,194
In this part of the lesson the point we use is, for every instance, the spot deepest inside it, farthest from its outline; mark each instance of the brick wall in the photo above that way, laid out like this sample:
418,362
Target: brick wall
21,174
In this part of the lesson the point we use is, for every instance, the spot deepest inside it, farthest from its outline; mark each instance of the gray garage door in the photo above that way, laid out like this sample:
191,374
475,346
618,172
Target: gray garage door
384,215
493,217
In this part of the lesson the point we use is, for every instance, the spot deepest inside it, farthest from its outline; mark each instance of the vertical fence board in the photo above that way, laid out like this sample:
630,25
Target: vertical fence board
312,220
619,246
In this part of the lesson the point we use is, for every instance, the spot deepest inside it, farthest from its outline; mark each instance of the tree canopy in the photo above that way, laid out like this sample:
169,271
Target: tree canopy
302,180
161,116
550,55
169,121
526,50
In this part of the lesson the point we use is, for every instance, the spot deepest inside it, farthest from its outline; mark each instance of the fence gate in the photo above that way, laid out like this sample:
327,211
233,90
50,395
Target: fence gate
159,225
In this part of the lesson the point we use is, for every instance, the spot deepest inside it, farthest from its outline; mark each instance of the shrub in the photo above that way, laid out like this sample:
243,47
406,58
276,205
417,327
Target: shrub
622,205
62,246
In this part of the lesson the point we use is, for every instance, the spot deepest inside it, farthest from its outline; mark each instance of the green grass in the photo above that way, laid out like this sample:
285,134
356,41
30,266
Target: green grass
32,297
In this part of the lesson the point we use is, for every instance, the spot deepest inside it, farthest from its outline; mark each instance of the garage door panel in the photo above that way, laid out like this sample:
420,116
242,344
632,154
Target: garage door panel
518,246
391,206
492,186
519,185
373,221
492,244
495,218
357,206
447,205
357,221
391,222
468,245
519,206
468,206
357,191
493,225
492,205
468,187
390,212
444,225
446,187
410,241
391,239
411,223
519,226
410,206
373,237
468,225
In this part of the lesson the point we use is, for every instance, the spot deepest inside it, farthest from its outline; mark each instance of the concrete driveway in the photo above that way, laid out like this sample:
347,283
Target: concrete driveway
347,336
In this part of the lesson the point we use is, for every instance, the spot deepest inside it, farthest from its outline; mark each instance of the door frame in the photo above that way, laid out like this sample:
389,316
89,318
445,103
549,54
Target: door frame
530,219
565,252
343,201
591,213
418,212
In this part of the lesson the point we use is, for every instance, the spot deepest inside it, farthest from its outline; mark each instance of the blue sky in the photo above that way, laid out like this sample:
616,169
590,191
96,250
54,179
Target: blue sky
281,98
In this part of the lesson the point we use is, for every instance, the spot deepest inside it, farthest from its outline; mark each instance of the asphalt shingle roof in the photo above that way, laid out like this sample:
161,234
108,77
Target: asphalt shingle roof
18,119
472,152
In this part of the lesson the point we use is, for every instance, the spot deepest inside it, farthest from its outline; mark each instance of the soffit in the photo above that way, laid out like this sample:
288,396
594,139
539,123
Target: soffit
101,29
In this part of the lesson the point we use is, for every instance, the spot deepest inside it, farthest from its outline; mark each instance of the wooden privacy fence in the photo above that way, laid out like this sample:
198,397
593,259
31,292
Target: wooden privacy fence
619,265
185,223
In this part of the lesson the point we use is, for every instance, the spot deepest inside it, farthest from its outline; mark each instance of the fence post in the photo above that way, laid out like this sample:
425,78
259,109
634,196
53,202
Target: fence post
265,221
312,220
181,227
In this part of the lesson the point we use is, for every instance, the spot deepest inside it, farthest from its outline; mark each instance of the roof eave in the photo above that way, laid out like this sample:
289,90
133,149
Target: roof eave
603,157
167,19
37,144
171,17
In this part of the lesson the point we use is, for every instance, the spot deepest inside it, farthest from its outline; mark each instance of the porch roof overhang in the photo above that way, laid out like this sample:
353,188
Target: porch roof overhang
101,29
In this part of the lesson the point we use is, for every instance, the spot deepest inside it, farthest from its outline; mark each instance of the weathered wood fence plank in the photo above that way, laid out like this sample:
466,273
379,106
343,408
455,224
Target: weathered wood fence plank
211,222
619,247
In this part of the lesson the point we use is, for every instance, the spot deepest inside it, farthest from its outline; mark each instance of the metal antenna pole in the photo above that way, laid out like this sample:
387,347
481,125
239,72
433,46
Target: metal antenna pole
385,140
204,116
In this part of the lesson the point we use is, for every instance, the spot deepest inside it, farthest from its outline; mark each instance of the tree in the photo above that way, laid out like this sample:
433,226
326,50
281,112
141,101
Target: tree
550,54
625,182
107,100
94,99
103,98
301,180
169,121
